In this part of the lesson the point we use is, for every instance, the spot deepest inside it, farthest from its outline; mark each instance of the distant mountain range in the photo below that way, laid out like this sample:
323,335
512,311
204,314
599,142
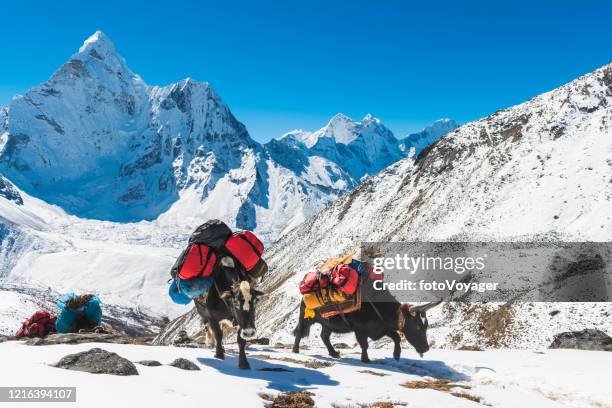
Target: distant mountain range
99,142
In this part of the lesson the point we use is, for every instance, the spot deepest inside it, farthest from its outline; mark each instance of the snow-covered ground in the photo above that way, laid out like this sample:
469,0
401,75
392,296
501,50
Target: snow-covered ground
499,378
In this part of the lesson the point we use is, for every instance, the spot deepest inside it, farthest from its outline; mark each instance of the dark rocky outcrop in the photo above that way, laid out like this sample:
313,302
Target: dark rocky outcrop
149,363
263,341
184,364
98,361
8,191
587,339
35,341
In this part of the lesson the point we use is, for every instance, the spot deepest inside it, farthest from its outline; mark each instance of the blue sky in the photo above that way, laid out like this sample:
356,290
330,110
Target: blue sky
285,65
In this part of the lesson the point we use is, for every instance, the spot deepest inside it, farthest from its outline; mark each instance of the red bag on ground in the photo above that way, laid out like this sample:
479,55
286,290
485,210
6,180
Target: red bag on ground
39,324
345,279
199,261
312,281
246,248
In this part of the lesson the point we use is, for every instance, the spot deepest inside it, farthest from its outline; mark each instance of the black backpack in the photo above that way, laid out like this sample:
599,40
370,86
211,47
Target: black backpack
212,233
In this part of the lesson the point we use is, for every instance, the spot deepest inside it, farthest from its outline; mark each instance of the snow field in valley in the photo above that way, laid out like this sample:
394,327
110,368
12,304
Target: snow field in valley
499,378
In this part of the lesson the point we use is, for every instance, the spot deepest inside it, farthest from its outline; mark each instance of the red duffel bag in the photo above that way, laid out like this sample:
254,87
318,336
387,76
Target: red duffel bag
246,248
313,281
39,324
345,279
198,261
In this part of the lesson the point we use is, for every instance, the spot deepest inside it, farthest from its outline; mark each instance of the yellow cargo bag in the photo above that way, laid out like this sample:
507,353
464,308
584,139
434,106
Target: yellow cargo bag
314,300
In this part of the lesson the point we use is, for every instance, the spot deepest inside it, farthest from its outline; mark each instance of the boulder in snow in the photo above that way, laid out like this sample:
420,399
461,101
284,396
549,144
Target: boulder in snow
149,363
587,339
184,364
98,361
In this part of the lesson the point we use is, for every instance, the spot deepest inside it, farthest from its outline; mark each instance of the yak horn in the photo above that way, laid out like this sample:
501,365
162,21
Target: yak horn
423,308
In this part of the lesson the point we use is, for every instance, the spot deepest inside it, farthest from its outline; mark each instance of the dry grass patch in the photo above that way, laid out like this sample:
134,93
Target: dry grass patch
434,384
288,399
470,347
443,386
465,395
306,363
377,404
497,325
376,373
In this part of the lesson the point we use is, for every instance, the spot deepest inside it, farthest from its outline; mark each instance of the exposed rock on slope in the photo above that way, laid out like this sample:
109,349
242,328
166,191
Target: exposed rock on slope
588,339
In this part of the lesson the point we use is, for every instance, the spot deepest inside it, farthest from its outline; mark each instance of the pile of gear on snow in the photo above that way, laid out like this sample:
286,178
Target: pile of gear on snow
77,313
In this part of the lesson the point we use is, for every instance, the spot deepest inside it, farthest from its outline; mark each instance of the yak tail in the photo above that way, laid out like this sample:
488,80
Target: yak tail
303,327
302,330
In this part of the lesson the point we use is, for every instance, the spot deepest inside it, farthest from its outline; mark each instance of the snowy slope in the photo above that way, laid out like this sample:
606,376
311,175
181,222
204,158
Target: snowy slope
507,378
125,264
539,170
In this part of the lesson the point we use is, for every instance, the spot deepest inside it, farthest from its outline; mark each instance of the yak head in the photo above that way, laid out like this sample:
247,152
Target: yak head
241,297
414,326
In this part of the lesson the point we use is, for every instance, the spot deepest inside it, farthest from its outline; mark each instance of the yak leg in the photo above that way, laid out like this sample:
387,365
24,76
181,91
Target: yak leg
296,342
362,339
302,329
218,333
325,334
243,363
397,349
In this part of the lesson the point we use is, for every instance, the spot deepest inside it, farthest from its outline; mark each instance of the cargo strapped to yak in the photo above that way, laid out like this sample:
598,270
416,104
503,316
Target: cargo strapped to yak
334,289
211,246
341,308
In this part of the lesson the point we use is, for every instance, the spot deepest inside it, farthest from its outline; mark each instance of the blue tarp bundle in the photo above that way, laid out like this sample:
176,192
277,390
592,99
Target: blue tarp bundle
92,309
181,291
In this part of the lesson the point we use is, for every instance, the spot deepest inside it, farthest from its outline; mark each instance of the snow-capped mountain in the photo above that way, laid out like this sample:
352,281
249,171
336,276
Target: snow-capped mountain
427,136
360,148
539,170
99,142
